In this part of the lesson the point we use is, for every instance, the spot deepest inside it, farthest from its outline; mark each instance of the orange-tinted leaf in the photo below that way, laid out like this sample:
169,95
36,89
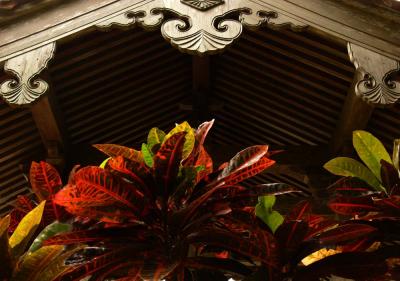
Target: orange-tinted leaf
99,194
114,150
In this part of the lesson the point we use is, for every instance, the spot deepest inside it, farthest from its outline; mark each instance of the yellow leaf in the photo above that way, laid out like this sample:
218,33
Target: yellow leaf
319,255
189,138
33,264
25,230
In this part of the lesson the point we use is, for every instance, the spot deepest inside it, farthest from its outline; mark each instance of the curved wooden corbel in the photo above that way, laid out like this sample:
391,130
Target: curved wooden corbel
202,26
375,76
26,88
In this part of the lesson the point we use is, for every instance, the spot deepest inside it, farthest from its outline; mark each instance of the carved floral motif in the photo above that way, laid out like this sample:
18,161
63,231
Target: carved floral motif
202,5
376,84
202,26
26,88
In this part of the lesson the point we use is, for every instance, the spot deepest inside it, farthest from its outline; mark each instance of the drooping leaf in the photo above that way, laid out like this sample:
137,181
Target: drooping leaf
49,231
5,251
99,194
156,136
347,167
189,137
265,212
113,150
167,161
44,179
35,263
147,155
371,151
25,230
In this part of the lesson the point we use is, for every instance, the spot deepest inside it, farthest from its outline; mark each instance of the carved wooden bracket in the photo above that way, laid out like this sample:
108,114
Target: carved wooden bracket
26,88
202,26
375,76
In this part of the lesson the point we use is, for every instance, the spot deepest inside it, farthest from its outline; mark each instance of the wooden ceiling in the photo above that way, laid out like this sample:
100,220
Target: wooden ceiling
282,88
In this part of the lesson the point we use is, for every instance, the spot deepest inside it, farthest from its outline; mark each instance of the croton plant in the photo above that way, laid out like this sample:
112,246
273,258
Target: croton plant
164,212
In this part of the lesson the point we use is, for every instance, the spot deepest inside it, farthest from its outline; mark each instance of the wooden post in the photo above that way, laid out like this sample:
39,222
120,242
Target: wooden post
374,85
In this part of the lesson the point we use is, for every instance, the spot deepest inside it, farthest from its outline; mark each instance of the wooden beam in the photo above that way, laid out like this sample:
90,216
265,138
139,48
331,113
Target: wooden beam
201,87
48,125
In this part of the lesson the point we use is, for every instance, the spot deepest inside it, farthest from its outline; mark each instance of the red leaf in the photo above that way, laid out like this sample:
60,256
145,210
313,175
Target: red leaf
247,172
98,193
300,211
114,150
44,179
345,233
389,205
219,264
352,205
167,161
291,233
104,235
235,243
137,172
205,160
244,159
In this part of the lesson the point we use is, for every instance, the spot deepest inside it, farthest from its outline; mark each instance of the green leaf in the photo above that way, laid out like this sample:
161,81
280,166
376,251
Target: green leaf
104,163
147,155
25,230
396,153
265,212
49,231
34,263
5,251
155,136
347,167
371,151
200,168
189,138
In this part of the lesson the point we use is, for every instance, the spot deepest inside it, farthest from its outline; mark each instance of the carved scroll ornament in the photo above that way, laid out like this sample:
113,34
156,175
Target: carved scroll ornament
202,26
375,75
26,88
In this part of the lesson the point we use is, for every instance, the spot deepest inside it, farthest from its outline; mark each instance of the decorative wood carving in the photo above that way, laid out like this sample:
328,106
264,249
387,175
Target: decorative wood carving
26,88
375,76
202,26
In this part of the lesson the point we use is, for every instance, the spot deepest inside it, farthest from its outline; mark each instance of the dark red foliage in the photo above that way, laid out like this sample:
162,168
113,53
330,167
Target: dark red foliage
45,182
153,221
